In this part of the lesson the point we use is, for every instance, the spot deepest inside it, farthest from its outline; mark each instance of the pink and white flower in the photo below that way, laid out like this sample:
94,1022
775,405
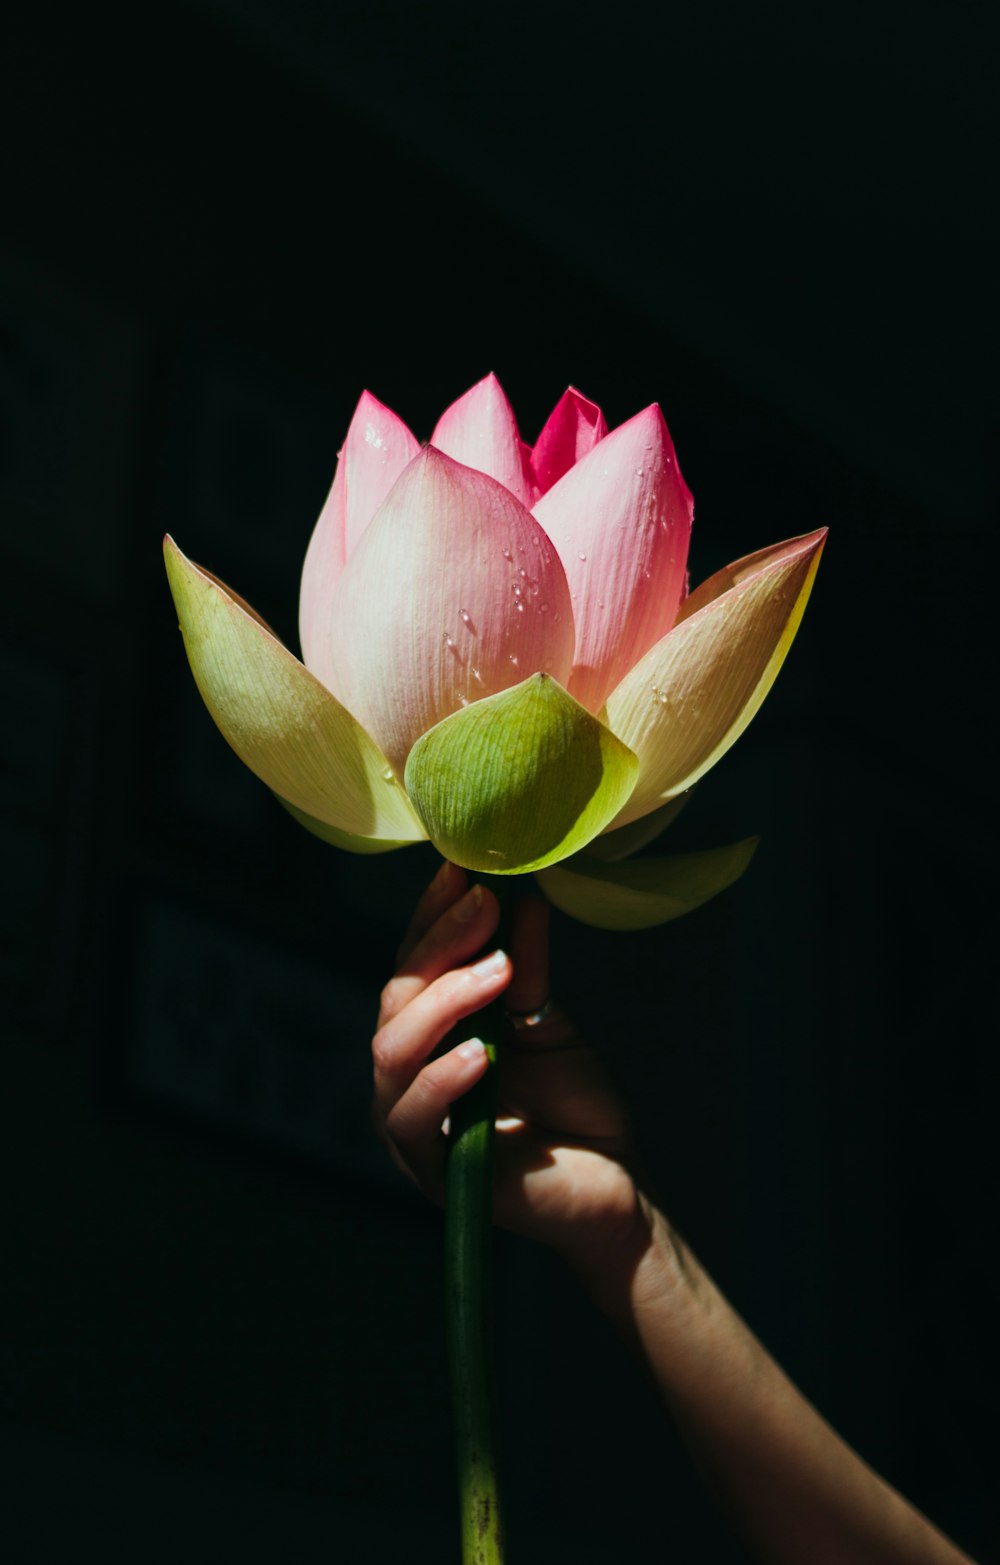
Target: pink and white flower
499,652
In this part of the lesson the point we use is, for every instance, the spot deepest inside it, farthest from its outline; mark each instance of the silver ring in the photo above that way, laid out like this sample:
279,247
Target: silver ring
531,1018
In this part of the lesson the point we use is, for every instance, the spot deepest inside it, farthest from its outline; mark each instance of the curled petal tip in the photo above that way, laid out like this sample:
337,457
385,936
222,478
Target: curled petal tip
571,430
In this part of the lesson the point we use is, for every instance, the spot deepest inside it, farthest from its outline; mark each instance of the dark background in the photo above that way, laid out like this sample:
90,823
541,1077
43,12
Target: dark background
220,222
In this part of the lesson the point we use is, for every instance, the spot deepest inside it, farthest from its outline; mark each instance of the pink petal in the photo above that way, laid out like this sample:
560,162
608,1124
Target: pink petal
377,448
453,593
573,428
480,431
621,521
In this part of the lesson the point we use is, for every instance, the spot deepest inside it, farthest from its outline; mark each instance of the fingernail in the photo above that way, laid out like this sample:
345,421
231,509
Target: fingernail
466,910
444,874
473,1050
490,965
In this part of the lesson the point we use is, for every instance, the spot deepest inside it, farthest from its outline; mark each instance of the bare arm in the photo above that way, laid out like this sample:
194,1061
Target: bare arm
793,1489
566,1175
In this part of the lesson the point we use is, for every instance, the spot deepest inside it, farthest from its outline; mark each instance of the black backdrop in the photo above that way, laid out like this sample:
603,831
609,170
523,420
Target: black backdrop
220,222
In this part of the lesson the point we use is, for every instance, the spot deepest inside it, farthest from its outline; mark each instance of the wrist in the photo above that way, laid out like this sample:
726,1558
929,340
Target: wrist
641,1261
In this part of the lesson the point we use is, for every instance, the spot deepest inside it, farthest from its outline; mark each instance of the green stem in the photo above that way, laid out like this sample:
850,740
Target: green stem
468,1284
469,1307
469,1303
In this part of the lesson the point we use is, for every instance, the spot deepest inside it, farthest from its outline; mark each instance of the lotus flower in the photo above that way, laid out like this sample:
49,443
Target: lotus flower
500,654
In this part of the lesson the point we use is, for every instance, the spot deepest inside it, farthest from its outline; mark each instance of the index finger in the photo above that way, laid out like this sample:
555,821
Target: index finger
443,892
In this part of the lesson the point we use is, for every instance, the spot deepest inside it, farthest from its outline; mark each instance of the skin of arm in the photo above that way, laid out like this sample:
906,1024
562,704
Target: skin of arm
567,1176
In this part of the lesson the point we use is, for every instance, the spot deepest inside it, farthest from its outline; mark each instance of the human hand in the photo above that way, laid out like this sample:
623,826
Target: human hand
794,1489
563,1147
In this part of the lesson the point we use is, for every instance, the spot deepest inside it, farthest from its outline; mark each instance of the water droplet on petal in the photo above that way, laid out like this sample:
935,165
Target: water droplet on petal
477,675
465,616
543,608
512,658
387,775
447,640
505,551
519,606
582,557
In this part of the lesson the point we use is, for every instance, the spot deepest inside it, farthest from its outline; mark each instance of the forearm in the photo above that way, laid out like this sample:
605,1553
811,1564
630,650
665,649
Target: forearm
792,1487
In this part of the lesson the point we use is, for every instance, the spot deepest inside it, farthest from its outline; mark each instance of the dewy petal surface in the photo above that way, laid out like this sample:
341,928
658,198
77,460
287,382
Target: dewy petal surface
621,520
453,594
377,448
519,780
693,694
643,892
570,433
480,431
279,719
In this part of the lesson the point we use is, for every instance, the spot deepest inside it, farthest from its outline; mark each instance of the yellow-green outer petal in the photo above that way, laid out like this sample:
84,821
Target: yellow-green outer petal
518,780
643,892
279,719
692,695
340,839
